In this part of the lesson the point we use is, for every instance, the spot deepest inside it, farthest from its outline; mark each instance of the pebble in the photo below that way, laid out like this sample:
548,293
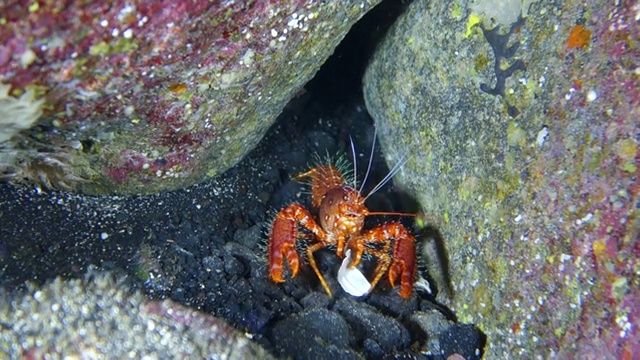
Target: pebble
369,323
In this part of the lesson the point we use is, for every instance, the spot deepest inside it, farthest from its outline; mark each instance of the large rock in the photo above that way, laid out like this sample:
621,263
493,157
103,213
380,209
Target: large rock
532,179
147,96
101,317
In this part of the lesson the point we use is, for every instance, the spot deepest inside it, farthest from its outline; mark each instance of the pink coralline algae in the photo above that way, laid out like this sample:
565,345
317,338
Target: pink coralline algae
145,96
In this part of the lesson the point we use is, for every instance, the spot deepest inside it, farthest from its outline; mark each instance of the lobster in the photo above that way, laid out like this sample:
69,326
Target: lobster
341,214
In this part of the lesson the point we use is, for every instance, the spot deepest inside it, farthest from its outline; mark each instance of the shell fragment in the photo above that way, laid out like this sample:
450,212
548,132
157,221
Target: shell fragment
351,279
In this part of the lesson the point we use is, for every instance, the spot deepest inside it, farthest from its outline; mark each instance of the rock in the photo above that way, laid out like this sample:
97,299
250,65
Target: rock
387,332
372,349
247,237
532,178
446,338
99,317
150,97
326,336
315,300
390,304
432,322
462,339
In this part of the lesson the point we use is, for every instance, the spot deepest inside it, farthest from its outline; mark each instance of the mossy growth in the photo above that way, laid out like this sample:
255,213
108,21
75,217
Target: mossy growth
480,62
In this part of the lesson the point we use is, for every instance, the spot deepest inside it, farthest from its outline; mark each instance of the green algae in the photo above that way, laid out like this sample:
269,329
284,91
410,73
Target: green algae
481,61
516,135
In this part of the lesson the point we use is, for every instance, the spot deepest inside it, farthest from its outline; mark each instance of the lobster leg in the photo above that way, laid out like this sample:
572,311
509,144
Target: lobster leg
282,241
402,262
312,261
384,260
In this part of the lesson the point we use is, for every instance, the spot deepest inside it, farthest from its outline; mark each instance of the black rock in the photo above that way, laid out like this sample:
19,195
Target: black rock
391,303
316,300
463,339
233,266
369,323
314,334
445,337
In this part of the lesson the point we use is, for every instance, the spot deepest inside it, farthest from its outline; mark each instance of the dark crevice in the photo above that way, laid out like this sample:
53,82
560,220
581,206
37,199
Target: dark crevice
499,44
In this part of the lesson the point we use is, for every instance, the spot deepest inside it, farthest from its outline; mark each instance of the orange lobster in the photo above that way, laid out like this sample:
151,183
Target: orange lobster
341,214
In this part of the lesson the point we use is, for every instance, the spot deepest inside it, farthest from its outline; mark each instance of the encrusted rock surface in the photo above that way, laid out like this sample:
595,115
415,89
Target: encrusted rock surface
141,96
538,208
100,317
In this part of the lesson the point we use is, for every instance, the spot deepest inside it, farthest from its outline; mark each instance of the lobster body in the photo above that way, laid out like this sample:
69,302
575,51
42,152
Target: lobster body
341,215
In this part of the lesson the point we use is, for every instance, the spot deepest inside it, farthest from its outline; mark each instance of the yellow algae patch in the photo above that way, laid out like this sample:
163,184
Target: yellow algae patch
473,21
627,150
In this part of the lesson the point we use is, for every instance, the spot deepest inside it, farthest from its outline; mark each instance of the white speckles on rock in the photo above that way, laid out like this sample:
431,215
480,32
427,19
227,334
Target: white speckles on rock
585,219
293,23
247,59
110,321
542,136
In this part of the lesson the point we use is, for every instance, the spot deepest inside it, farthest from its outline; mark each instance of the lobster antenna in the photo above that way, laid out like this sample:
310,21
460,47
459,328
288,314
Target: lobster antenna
355,169
391,213
373,148
389,176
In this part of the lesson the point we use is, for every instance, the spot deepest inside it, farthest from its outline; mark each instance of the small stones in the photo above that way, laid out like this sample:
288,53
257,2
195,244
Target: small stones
324,334
387,332
389,303
233,266
463,339
316,300
446,338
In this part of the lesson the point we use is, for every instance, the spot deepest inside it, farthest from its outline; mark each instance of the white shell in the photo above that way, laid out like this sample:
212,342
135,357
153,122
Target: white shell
351,279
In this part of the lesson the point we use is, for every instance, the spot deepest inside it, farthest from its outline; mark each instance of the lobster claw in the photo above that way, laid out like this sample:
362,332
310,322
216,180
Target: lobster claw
404,265
282,240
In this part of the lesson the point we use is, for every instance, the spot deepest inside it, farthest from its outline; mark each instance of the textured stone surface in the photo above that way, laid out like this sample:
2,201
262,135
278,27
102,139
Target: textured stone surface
101,318
146,96
538,211
323,331
387,332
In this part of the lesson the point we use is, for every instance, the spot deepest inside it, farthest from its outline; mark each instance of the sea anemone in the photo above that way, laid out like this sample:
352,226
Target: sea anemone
17,114
52,170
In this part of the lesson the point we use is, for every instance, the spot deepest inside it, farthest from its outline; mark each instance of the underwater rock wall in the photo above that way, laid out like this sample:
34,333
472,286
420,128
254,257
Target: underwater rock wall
538,207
